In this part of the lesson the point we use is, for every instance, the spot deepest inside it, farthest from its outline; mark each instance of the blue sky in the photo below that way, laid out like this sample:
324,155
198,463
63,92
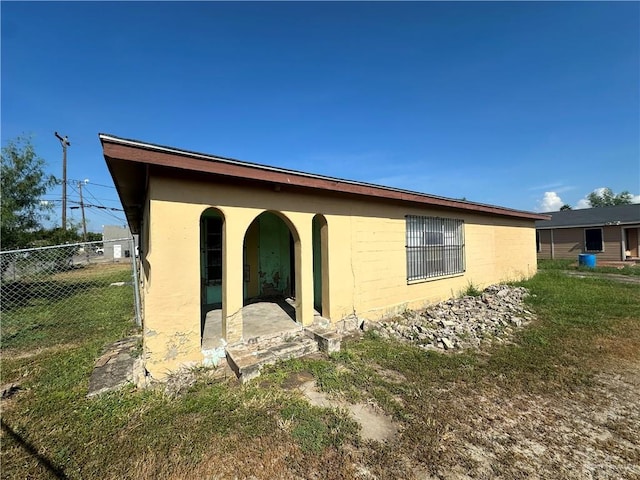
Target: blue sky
525,105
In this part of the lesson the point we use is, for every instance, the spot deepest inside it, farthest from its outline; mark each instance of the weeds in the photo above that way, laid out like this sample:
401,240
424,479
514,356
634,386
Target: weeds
471,290
220,429
317,428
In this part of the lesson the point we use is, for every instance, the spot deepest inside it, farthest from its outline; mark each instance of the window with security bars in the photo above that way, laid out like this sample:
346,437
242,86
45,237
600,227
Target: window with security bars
435,247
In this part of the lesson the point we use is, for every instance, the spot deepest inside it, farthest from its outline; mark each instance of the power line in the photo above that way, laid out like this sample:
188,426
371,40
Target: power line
95,198
101,199
91,183
101,207
104,208
107,217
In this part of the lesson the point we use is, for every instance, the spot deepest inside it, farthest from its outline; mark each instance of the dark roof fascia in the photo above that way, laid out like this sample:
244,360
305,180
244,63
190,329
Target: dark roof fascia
591,225
151,154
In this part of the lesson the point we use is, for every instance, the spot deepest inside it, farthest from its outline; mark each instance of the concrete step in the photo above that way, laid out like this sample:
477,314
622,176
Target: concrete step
246,360
328,340
275,337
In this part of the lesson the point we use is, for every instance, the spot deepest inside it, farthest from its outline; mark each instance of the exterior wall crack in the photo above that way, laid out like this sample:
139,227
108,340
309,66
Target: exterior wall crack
353,272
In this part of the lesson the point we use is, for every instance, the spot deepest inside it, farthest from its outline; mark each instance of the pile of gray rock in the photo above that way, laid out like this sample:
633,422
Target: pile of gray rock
463,322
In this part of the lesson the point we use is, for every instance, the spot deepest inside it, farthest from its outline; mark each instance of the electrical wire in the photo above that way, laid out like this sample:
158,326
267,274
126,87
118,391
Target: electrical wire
101,207
96,198
91,183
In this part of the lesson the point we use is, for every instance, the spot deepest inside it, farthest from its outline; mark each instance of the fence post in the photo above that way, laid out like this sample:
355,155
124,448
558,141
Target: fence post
136,283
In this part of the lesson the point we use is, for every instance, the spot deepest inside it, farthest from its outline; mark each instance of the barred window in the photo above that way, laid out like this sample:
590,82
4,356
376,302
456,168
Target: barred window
435,247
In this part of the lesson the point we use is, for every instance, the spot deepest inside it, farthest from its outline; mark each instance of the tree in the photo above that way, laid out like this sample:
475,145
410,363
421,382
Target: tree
94,237
44,237
604,197
566,206
22,184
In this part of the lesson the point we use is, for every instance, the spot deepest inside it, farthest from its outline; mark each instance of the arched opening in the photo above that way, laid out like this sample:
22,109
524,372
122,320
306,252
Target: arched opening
269,273
320,236
211,277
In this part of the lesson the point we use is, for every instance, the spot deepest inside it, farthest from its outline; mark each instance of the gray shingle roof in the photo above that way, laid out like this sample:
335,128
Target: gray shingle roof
617,215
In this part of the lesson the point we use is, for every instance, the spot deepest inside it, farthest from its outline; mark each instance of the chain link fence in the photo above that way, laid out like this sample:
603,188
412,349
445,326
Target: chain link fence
53,295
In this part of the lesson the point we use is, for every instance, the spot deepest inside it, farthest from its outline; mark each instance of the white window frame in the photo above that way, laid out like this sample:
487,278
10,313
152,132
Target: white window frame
435,247
601,239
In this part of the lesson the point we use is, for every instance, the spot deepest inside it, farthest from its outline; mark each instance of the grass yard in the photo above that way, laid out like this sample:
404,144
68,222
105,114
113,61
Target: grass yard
560,401
572,265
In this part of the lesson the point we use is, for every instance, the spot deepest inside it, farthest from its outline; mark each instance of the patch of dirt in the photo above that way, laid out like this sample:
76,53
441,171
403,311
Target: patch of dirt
375,425
297,379
21,354
607,276
389,375
592,433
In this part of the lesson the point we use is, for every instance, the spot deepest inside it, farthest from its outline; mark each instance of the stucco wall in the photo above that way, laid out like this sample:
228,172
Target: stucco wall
366,261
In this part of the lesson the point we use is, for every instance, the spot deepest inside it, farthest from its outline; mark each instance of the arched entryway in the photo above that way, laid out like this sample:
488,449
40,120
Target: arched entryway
320,236
269,264
211,275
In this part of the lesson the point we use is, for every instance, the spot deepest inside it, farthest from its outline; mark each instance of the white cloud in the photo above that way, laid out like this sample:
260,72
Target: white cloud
550,202
582,203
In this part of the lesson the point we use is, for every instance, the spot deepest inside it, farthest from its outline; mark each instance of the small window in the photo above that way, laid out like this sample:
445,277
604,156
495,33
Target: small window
435,247
538,248
213,250
593,240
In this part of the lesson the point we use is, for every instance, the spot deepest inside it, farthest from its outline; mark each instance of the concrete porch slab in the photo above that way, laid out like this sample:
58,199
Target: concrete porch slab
270,333
260,321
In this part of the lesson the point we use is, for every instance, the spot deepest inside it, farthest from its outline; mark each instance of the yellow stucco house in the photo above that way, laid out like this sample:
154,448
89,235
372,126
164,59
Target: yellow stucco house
216,232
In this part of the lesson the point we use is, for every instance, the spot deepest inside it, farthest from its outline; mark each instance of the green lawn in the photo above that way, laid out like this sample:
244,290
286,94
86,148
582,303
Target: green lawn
220,429
564,264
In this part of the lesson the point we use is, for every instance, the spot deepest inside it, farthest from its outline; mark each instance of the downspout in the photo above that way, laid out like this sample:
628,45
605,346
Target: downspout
553,253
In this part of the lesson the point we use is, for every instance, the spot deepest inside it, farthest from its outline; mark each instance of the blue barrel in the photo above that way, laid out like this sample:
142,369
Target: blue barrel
587,260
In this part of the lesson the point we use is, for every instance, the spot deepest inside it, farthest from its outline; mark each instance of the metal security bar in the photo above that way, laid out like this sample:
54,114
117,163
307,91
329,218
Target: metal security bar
435,247
48,293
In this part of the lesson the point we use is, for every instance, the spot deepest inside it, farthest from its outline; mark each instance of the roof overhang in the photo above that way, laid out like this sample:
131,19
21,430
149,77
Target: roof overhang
129,162
588,225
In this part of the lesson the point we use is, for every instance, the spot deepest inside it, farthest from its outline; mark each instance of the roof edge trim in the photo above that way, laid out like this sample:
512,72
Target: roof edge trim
462,204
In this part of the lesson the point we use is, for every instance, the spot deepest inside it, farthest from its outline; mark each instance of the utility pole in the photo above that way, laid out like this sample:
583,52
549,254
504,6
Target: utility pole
84,222
64,141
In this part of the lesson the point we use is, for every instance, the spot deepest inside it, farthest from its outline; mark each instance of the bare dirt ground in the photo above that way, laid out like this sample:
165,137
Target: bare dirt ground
374,424
591,434
608,276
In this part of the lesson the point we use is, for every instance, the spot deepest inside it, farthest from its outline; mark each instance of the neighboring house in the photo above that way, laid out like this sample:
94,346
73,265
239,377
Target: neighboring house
116,241
216,233
611,233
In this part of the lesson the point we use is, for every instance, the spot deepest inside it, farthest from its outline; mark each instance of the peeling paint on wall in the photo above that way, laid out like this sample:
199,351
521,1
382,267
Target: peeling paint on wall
177,346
